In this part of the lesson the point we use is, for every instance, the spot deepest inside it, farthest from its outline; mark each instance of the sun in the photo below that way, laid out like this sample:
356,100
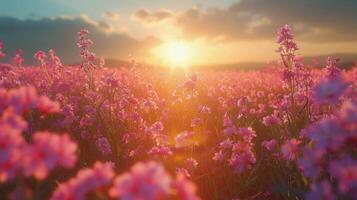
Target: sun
177,53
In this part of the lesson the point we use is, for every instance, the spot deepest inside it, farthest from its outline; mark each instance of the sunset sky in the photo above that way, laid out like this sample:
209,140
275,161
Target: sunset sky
224,31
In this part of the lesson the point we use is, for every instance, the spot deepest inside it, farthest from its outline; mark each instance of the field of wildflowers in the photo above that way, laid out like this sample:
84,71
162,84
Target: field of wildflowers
89,132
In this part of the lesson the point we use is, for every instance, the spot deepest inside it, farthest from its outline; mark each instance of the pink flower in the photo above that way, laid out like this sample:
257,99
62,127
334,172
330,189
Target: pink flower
345,170
18,58
147,181
22,99
218,156
186,190
184,139
311,162
242,161
40,56
103,146
86,180
195,122
285,38
10,118
329,90
331,67
290,149
183,171
11,145
191,163
321,191
2,54
247,133
269,144
47,152
160,150
46,106
271,120
226,144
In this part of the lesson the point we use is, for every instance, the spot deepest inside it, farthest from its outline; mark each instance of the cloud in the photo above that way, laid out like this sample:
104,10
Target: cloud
147,17
313,20
60,33
112,15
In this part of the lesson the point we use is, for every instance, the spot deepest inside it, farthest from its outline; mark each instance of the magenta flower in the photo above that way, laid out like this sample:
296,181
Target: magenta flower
2,54
47,152
271,120
321,191
242,161
11,152
160,151
186,190
18,58
311,162
86,181
290,149
218,156
269,144
103,146
329,90
191,163
345,170
144,181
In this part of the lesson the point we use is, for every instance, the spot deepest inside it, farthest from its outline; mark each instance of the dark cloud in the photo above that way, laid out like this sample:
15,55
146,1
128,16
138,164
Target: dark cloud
313,20
61,34
148,17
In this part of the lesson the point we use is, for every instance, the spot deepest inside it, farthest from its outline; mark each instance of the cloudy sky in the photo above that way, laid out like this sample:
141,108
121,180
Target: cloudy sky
224,31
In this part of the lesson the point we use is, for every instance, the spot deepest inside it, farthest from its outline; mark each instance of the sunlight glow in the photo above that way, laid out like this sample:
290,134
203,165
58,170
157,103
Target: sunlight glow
176,53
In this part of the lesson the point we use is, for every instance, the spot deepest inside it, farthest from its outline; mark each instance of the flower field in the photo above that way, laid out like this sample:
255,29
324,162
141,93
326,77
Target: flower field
85,131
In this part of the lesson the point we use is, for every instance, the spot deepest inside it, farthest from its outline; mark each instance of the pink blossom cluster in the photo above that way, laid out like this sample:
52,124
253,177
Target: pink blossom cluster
44,152
150,181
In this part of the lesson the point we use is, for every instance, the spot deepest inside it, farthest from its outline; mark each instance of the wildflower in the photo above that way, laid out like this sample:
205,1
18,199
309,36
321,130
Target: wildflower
326,134
144,181
186,190
242,161
348,112
47,152
331,67
226,144
160,150
46,106
290,149
285,38
329,90
183,171
271,120
86,180
191,163
18,58
11,145
204,110
195,122
269,144
218,156
311,162
247,133
103,146
184,139
321,191
2,54
40,56
345,170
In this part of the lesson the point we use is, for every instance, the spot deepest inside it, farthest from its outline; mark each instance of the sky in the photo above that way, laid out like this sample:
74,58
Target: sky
224,31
